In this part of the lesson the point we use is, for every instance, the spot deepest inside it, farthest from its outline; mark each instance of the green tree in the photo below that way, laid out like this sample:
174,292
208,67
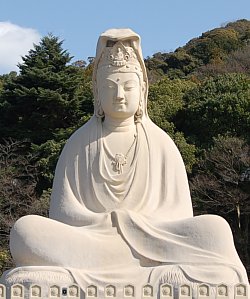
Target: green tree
212,47
219,105
46,102
214,44
165,100
242,27
177,64
48,152
236,62
47,95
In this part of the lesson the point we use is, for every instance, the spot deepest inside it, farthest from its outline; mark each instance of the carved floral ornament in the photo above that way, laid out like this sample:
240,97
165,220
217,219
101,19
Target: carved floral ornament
129,291
166,290
185,290
73,291
17,291
36,291
148,291
110,291
241,290
54,291
119,56
92,291
204,290
222,290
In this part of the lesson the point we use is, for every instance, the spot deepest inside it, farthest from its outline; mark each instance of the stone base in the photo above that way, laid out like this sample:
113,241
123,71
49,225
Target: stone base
42,277
55,282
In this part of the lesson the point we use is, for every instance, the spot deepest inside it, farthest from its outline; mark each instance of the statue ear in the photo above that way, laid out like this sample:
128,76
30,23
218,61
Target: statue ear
139,112
98,106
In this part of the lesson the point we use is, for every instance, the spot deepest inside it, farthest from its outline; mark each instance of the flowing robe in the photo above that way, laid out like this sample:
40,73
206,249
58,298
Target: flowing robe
134,227
155,186
148,208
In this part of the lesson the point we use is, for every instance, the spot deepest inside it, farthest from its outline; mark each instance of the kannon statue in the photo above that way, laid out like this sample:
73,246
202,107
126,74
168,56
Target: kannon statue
120,208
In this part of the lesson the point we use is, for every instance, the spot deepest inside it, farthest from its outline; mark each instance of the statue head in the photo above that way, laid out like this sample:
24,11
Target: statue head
119,69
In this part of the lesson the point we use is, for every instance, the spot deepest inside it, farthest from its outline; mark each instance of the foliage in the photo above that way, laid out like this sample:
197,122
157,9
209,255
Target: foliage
187,150
48,154
5,260
155,66
46,102
1,83
212,47
219,186
173,65
47,95
218,105
165,100
18,197
242,27
220,171
236,62
215,44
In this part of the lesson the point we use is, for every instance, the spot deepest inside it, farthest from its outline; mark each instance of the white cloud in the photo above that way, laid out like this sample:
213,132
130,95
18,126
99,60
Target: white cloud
15,41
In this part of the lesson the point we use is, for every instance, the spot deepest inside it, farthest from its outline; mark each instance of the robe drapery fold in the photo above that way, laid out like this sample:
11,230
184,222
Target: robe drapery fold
156,183
148,208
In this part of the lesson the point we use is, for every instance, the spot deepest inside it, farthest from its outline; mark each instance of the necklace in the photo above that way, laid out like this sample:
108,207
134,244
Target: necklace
119,159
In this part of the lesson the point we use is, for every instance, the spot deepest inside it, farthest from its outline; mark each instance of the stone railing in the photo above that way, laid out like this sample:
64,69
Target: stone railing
167,291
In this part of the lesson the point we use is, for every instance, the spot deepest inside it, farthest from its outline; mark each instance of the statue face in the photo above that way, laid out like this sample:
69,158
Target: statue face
119,94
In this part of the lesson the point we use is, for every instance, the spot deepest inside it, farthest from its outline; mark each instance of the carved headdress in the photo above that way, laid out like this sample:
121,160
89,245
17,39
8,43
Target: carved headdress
119,50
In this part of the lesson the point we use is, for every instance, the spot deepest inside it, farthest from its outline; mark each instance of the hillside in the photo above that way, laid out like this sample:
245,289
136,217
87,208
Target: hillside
224,49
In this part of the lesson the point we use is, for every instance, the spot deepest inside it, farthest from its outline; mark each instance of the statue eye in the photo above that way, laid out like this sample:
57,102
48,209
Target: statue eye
130,85
110,86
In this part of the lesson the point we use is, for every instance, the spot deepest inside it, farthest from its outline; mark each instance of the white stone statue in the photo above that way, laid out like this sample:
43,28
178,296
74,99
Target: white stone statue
120,209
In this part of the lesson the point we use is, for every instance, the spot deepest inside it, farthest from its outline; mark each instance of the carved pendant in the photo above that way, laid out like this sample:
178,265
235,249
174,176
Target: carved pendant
119,161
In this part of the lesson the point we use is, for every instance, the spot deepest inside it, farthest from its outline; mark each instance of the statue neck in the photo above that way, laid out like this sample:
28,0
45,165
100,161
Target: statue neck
118,125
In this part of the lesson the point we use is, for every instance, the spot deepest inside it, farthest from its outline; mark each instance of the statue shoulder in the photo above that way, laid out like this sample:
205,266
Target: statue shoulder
78,141
82,135
160,136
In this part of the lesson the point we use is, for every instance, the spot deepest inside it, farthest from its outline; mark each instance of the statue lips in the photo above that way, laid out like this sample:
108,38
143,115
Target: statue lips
120,103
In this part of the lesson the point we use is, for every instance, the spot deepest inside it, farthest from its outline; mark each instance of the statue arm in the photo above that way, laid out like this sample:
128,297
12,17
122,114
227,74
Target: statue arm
67,204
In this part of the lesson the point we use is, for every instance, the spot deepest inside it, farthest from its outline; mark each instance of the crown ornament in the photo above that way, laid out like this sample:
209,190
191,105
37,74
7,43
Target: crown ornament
119,55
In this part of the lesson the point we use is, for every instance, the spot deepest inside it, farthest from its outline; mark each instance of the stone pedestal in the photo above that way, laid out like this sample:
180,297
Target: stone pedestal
56,282
37,282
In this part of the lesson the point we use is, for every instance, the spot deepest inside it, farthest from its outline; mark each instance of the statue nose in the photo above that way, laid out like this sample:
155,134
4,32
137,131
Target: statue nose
120,93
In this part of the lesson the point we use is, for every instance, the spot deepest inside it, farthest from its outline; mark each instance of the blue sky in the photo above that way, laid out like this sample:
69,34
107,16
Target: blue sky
163,25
